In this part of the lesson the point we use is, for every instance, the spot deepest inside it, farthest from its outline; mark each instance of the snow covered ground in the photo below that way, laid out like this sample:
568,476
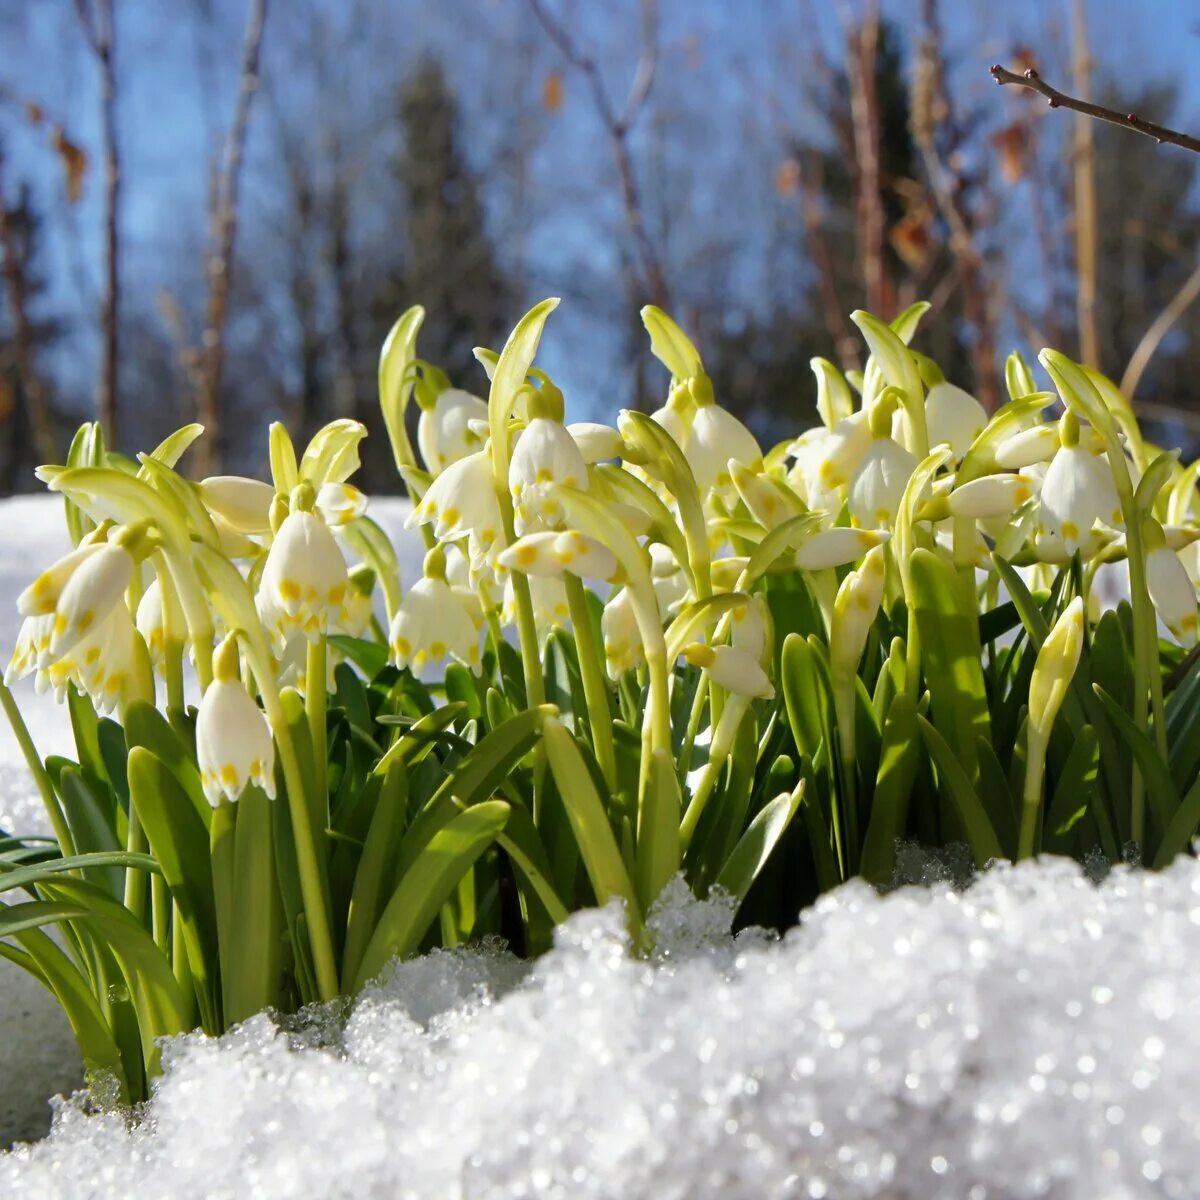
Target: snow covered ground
1034,1036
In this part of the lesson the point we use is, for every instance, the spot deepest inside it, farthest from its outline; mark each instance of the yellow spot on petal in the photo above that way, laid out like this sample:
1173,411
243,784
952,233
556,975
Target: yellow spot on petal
437,649
289,589
1070,531
228,775
452,516
402,647
526,555
544,475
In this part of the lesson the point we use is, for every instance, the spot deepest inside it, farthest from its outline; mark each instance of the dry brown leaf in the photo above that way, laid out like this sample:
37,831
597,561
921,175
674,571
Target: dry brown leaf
74,160
787,177
552,92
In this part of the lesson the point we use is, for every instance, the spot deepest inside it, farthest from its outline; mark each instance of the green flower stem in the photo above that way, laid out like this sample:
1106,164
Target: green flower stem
1035,770
173,669
311,891
595,686
315,700
160,908
58,820
180,965
718,754
693,727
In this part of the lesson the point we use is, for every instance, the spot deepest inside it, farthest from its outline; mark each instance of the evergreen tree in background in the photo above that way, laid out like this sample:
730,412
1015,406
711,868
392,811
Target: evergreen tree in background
28,433
450,262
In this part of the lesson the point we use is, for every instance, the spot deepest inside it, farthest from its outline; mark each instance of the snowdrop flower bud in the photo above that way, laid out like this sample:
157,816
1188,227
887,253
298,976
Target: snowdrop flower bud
854,611
304,579
444,432
1036,445
954,417
1173,593
1077,492
596,442
734,670
1055,668
243,504
837,547
623,649
432,622
549,554
879,484
233,741
716,439
545,458
991,496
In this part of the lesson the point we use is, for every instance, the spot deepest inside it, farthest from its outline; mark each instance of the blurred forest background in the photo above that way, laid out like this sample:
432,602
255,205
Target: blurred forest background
214,209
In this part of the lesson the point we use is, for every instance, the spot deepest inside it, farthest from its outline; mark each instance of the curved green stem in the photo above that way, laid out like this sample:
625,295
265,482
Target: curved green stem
58,820
595,686
315,671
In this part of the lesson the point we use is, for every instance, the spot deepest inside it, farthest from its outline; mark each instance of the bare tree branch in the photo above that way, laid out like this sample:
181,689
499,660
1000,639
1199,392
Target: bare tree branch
220,261
1159,328
98,32
1160,133
618,128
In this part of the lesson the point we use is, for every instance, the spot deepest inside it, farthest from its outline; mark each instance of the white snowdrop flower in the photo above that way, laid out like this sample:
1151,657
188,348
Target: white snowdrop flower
674,422
842,452
770,502
838,546
549,554
151,623
445,433
1051,549
854,611
716,438
432,623
734,670
462,502
596,442
953,417
544,459
80,590
1173,594
339,504
304,580
233,740
992,496
623,649
1036,445
243,504
1054,669
101,663
354,616
551,609
879,484
1077,492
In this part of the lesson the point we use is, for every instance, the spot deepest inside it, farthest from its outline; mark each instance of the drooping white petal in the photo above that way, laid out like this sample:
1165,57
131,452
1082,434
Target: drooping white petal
732,669
544,459
95,587
243,504
461,501
623,649
340,503
717,436
41,596
1173,593
304,580
1077,492
596,442
879,484
1036,445
992,496
837,547
430,624
953,417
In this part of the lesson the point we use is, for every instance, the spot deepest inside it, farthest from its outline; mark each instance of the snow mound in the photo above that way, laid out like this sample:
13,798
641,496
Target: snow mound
1033,1036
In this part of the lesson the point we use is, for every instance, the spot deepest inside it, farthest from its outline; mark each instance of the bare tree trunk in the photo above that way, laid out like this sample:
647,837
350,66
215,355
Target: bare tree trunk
862,54
220,262
1086,219
32,411
99,32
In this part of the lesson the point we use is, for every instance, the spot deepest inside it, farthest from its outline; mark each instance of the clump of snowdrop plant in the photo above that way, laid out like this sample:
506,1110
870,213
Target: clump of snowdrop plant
634,651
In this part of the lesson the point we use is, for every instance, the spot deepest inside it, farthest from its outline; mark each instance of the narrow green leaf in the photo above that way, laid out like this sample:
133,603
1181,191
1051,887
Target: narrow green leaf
657,853
898,755
750,855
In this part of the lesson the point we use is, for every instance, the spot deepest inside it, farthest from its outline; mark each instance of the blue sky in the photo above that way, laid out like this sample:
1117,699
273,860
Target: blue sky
177,78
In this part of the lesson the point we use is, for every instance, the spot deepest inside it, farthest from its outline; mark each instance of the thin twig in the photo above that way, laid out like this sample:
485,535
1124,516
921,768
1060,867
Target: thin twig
1160,133
99,34
220,262
618,128
1159,329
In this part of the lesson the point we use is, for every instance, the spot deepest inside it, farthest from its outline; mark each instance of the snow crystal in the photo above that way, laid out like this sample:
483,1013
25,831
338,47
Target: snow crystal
1033,1035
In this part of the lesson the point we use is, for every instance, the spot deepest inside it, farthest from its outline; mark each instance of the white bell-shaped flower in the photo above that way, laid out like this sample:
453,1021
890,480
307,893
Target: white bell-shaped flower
734,670
623,649
953,417
339,504
234,747
670,584
1077,492
1038,444
444,432
432,623
717,436
674,422
461,502
241,503
551,608
879,484
544,459
992,496
548,554
102,663
151,622
751,626
32,651
1173,594
304,580
838,456
837,547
